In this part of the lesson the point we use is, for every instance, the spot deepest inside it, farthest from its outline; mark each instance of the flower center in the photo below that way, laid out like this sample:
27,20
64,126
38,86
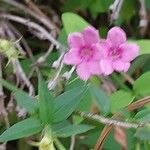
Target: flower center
86,54
115,53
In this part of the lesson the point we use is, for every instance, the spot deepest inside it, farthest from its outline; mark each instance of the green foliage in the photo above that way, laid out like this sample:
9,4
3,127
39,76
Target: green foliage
143,115
22,129
73,23
24,100
101,99
66,103
120,99
141,85
143,133
46,102
139,62
51,110
70,130
63,37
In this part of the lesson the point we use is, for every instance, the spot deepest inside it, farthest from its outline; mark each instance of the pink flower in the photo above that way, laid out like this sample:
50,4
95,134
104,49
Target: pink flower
84,52
117,53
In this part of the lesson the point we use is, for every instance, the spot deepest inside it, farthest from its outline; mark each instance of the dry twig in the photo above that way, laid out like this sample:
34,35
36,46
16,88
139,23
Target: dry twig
138,104
115,9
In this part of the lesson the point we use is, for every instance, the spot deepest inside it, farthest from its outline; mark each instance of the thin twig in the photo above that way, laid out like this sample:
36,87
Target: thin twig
109,121
2,105
115,9
23,41
72,145
143,17
20,73
3,146
43,58
34,26
16,64
68,74
52,83
36,9
32,13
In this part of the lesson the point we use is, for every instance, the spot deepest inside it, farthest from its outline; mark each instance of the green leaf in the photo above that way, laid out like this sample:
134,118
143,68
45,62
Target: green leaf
46,103
72,130
85,104
67,102
73,23
141,85
62,38
144,46
139,62
25,101
143,133
120,99
143,115
101,99
59,125
21,129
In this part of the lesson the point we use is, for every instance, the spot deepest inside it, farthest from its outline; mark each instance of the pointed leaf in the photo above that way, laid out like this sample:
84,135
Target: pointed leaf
73,23
72,130
143,115
101,99
21,129
25,101
143,133
120,99
22,98
66,103
45,103
141,85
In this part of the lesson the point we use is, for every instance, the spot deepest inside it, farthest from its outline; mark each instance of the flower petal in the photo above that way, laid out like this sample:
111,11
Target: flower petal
129,51
71,57
117,36
121,66
94,67
75,40
97,51
105,48
90,35
106,66
83,72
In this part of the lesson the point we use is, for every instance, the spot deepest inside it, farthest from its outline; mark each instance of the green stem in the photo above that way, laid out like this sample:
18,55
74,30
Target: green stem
59,145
